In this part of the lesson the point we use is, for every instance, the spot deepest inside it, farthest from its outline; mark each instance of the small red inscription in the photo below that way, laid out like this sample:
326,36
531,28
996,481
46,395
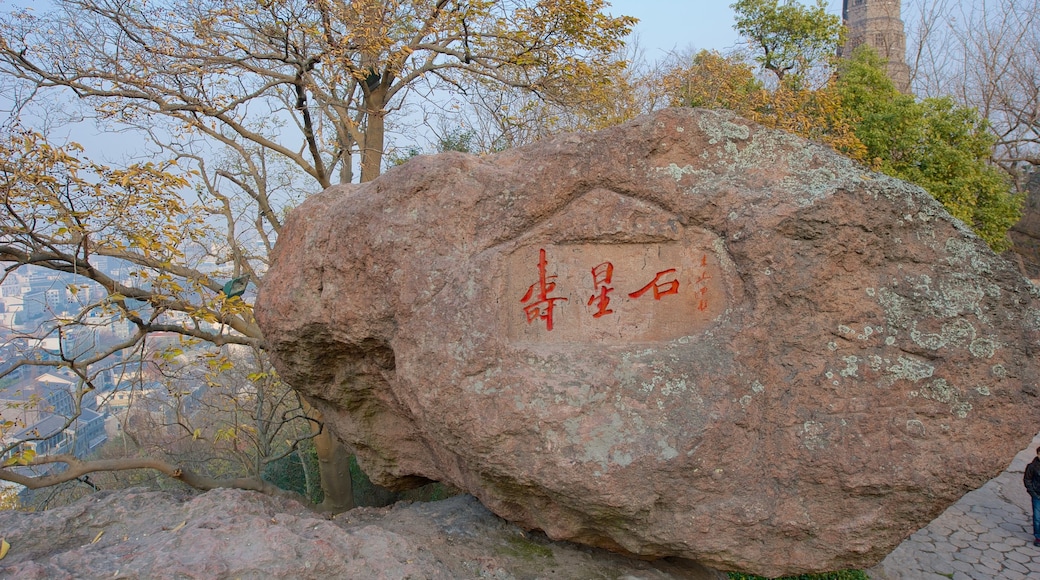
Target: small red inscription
660,288
701,283
601,277
543,307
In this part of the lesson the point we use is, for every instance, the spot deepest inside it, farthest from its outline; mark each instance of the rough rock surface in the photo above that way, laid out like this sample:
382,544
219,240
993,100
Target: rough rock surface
242,535
683,336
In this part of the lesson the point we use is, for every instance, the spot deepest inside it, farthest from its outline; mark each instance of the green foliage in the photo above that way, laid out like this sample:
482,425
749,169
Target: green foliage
840,575
461,140
289,473
398,157
367,493
788,39
933,143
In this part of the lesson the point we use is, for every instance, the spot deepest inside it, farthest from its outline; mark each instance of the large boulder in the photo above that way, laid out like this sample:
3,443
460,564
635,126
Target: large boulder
683,336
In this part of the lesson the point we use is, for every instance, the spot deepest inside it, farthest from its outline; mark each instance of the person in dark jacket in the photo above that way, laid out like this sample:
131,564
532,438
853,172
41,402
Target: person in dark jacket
1031,479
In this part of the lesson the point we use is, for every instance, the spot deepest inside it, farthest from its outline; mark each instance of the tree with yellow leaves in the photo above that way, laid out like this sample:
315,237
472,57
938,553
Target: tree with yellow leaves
714,81
334,70
62,212
258,104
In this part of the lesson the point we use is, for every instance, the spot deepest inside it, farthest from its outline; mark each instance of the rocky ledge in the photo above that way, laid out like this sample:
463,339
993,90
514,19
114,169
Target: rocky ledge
242,534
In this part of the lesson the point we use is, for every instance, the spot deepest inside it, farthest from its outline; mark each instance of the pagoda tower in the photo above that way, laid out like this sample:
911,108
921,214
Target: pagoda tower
878,24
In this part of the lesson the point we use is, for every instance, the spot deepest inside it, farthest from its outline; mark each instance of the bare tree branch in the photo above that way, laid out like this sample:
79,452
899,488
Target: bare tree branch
78,468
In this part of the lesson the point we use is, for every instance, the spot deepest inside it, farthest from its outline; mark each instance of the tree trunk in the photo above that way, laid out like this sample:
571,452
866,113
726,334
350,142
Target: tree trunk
333,465
334,468
375,131
308,474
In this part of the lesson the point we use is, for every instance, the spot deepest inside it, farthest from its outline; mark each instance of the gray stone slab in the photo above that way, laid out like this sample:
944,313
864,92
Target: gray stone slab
943,567
1012,527
927,547
989,562
990,568
1018,542
1013,566
1019,555
1001,546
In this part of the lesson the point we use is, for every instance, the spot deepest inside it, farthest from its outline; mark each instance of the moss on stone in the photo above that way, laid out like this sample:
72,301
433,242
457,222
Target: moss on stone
526,548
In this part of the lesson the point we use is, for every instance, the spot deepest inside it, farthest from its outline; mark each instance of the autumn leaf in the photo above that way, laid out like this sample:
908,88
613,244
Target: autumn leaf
24,457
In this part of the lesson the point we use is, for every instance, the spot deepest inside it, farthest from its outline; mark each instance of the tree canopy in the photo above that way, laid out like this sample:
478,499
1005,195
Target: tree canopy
253,105
935,143
332,70
985,55
788,39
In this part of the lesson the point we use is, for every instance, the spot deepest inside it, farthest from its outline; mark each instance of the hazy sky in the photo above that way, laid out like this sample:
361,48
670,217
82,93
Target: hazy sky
666,25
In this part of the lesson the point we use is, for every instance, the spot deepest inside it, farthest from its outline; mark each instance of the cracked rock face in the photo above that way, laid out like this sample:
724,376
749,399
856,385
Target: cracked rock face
683,336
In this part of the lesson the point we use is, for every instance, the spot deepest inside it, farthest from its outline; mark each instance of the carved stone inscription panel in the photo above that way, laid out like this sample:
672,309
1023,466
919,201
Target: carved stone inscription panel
612,293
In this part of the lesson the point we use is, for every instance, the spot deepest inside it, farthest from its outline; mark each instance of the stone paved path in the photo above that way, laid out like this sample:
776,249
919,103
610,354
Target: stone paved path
987,534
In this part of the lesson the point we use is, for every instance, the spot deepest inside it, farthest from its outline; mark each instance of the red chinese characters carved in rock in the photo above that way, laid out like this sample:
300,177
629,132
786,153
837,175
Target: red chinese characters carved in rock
543,306
660,288
539,302
601,278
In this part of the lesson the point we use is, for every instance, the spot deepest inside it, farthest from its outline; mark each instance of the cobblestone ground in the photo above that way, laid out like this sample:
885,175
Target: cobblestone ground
987,534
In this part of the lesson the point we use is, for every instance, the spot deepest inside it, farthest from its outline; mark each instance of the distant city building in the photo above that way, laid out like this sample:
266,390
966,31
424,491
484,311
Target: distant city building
50,435
35,304
44,406
12,297
878,24
14,289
